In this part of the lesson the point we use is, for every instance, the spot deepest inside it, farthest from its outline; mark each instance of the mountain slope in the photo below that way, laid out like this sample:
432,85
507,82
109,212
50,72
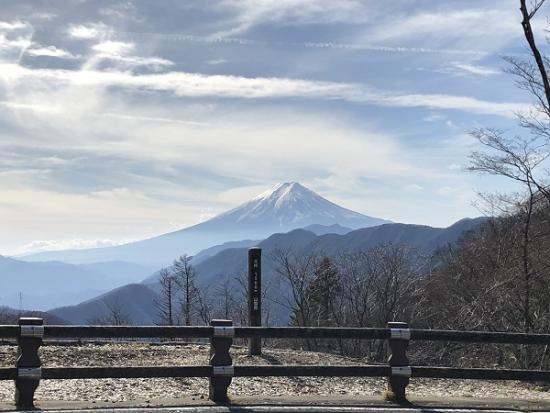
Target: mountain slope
135,302
283,208
11,316
210,252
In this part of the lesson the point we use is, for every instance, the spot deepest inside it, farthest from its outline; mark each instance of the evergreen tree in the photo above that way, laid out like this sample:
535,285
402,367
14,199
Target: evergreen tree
323,292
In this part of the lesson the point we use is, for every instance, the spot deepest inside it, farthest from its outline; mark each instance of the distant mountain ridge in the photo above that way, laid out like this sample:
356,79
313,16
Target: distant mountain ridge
231,262
285,207
424,238
318,229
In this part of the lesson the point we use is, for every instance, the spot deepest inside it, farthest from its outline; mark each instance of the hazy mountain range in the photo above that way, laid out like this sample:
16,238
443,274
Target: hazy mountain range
231,262
43,285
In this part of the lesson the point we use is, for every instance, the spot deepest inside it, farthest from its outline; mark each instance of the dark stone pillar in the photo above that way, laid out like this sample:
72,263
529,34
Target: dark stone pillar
255,298
28,361
220,360
398,361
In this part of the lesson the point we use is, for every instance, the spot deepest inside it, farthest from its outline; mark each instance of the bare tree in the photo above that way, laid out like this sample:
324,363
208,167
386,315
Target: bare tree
522,159
185,275
204,307
166,303
228,303
298,272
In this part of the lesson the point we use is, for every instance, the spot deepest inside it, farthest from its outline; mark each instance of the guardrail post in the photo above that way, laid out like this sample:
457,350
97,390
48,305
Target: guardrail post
28,361
398,361
220,360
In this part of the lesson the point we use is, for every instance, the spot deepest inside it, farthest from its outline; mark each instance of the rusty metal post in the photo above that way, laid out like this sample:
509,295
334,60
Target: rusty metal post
398,361
255,298
220,360
28,362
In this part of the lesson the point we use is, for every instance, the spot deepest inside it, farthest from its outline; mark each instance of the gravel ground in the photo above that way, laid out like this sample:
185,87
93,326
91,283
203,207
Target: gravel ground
119,390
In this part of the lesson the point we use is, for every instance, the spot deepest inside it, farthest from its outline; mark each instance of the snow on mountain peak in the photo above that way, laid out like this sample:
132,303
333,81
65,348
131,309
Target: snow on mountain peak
287,206
280,190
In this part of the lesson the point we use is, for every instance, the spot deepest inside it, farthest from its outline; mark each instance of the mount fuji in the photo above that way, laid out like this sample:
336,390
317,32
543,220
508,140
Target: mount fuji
284,207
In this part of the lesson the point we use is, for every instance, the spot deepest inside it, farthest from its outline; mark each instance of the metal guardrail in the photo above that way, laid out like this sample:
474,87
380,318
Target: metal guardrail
31,332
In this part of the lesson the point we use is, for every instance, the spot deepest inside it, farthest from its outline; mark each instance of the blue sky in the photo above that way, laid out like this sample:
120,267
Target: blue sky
126,119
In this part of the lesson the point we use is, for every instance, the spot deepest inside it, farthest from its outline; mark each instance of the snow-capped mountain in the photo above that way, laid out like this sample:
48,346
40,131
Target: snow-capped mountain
288,206
285,207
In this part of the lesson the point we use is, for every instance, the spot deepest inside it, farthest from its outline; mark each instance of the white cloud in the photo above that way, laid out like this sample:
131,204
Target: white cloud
464,103
50,51
65,244
462,69
156,63
114,48
18,44
200,85
475,69
14,25
121,53
90,31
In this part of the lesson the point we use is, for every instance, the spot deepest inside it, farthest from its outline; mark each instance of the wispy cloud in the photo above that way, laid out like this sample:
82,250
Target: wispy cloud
462,69
475,69
246,14
447,24
49,51
66,244
123,53
216,61
220,86
369,45
392,49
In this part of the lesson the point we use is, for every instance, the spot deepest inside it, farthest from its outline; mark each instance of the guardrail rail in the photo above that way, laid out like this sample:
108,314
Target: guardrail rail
31,332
